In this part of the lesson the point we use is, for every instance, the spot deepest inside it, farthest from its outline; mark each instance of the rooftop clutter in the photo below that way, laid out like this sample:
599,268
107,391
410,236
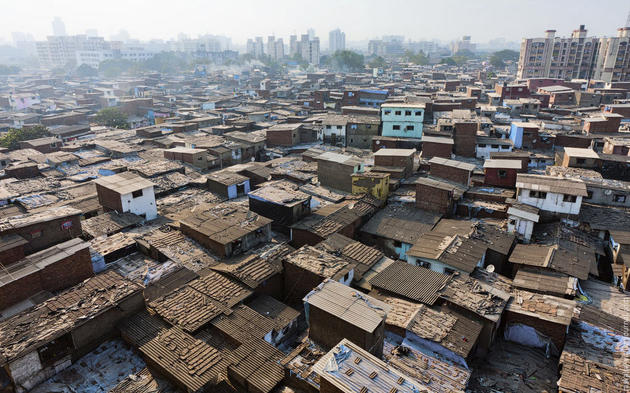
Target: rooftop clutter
441,228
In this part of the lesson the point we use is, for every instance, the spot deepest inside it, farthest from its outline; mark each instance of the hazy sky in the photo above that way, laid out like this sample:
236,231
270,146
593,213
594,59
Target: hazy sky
360,19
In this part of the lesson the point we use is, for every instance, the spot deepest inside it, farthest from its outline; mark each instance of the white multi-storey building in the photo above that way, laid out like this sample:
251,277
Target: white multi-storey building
336,40
576,57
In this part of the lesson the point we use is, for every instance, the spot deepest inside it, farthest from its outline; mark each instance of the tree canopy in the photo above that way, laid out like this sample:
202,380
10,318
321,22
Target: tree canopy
378,62
112,117
85,70
9,69
417,58
14,136
346,61
498,59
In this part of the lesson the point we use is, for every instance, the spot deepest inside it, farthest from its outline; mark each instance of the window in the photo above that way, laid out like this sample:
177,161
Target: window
502,173
36,234
397,243
581,161
397,113
425,264
538,194
395,127
410,128
418,113
136,194
448,271
407,113
512,222
482,145
387,112
619,198
569,198
328,127
339,127
494,146
346,276
199,158
353,127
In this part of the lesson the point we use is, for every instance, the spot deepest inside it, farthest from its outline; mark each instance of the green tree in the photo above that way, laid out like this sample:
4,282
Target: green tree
346,61
9,70
112,117
378,62
116,67
85,71
448,61
165,62
498,59
14,136
417,58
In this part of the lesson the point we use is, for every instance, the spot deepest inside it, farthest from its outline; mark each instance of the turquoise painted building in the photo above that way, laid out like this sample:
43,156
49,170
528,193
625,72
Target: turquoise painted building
402,120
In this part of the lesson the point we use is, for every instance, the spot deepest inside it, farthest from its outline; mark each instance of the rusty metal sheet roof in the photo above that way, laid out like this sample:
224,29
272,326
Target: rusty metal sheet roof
186,360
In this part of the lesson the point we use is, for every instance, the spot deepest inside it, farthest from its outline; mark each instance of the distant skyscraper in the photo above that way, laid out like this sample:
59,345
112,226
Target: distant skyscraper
336,40
311,33
463,45
271,46
293,45
59,28
91,33
279,49
310,49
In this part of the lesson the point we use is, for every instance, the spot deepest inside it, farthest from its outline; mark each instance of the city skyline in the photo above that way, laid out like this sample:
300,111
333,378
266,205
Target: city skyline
255,19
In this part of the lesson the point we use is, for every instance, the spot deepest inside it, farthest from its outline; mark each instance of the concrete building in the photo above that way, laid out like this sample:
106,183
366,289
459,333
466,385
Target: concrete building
310,49
402,120
334,170
463,45
552,194
613,57
127,192
336,41
58,27
576,57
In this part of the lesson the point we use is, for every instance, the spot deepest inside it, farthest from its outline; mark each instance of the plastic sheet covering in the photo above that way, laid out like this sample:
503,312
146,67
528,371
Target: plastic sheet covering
527,335
339,356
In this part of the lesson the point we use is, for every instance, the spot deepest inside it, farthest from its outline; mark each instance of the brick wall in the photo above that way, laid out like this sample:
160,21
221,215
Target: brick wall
109,199
59,275
433,199
335,175
465,137
492,177
12,255
611,125
450,173
22,171
282,138
46,234
431,149
397,161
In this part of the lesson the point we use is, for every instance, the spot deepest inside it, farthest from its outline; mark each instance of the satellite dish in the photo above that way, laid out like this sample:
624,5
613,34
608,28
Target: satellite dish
490,269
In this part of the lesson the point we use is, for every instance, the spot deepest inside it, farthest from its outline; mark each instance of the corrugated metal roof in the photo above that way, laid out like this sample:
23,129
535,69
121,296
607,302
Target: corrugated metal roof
413,282
348,304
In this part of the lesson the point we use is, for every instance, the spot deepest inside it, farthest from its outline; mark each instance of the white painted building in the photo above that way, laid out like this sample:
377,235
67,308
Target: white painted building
334,130
486,145
549,193
521,220
447,254
127,192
